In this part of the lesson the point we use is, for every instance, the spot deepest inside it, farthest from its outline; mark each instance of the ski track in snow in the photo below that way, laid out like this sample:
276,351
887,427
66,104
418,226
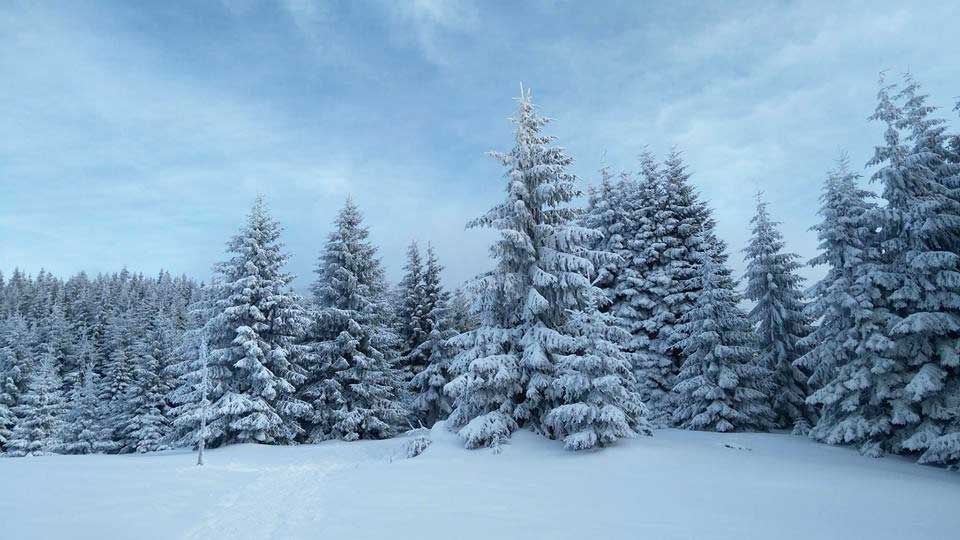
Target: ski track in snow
264,507
283,502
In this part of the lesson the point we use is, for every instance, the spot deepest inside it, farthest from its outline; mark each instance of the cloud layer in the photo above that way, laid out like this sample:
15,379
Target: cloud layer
136,134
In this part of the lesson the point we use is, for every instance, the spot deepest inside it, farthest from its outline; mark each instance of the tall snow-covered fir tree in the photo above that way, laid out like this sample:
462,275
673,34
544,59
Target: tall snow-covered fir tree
779,320
79,430
722,384
39,412
609,213
897,393
187,369
845,243
411,312
859,402
352,385
946,447
595,386
115,382
144,426
7,419
16,362
685,237
508,365
922,190
429,402
253,335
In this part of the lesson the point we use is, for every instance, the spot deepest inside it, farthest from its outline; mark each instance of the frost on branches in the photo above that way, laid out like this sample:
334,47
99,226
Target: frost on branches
38,414
845,244
430,402
508,366
779,320
253,352
899,392
354,390
721,385
411,314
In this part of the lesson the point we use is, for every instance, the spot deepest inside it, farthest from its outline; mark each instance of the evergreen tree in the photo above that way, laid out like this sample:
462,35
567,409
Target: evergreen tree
655,257
946,447
253,352
187,369
353,387
461,317
896,393
778,319
686,237
38,412
595,386
923,205
508,365
16,340
430,402
411,313
117,376
721,384
845,242
858,403
7,417
15,367
144,426
80,428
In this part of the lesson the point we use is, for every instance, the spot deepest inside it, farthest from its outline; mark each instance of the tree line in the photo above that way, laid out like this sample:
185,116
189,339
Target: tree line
595,324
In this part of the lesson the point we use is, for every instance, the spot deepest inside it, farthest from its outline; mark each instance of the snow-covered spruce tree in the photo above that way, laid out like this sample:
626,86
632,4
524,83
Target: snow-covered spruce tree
508,365
845,240
187,369
946,447
686,236
895,394
778,319
55,334
721,385
923,200
654,259
671,231
79,429
7,417
624,212
15,366
253,337
607,213
39,412
353,387
595,386
16,357
462,318
430,403
143,426
115,382
410,314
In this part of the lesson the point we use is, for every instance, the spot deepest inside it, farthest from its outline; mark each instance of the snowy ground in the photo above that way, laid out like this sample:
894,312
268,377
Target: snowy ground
675,485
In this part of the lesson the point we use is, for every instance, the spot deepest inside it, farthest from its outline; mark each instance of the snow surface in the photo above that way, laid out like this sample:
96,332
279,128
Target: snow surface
677,484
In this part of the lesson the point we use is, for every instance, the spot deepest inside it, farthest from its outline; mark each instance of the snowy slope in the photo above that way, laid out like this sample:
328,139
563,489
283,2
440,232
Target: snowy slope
677,484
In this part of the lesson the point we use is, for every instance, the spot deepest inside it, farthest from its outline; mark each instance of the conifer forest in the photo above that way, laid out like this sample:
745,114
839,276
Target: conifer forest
448,269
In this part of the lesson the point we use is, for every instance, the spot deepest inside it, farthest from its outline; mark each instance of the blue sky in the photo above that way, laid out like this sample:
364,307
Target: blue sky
138,133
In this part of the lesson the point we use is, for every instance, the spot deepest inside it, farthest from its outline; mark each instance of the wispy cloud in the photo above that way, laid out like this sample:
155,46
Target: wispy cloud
138,134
